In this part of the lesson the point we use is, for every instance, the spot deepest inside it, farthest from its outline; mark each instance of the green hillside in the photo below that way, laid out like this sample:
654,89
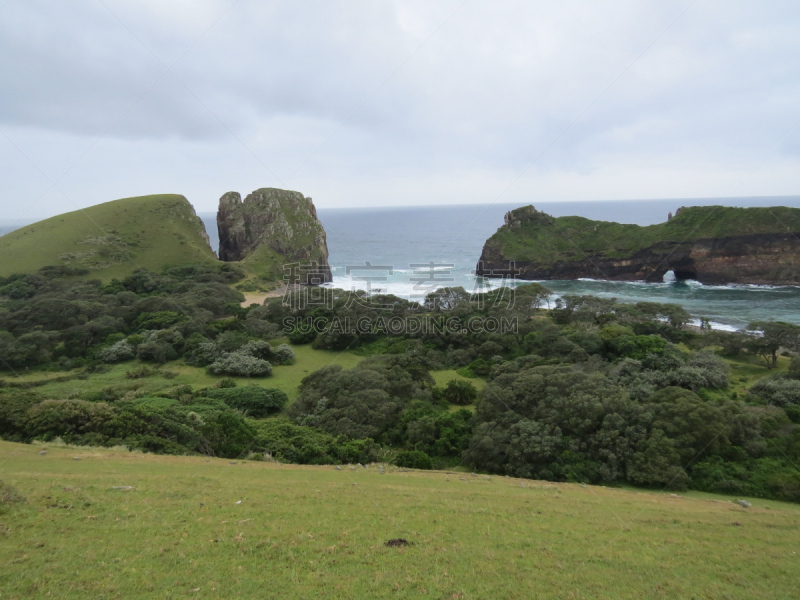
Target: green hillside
107,523
541,239
111,240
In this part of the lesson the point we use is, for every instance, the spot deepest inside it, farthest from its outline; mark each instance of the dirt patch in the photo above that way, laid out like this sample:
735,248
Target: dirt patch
397,543
259,297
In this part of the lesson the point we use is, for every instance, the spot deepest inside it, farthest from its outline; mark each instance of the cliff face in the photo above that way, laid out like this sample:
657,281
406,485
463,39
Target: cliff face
713,245
271,228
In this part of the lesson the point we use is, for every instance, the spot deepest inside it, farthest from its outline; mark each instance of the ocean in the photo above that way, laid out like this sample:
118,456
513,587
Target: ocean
412,250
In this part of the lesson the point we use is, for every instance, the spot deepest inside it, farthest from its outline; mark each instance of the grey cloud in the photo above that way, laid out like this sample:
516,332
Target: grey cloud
627,96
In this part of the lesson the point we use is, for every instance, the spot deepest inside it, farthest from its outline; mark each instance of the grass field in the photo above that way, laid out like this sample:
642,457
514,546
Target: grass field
111,239
747,369
285,378
196,527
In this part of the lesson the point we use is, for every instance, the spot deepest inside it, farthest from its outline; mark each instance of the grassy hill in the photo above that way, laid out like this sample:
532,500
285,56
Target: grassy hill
106,523
111,240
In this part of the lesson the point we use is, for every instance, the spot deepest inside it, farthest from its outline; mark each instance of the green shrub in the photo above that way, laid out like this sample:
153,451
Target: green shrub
238,364
14,404
67,418
460,392
794,368
762,478
155,402
308,445
779,391
256,401
299,336
257,349
163,319
203,354
636,346
284,355
140,373
118,352
480,367
413,459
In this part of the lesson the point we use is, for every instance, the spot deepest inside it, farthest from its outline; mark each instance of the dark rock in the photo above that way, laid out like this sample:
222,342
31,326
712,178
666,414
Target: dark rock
272,228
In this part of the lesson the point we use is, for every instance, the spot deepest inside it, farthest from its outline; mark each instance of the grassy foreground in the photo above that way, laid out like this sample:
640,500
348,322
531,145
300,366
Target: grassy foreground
196,527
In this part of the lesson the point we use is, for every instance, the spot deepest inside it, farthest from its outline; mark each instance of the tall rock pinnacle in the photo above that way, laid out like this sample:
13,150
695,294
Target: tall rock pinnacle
272,228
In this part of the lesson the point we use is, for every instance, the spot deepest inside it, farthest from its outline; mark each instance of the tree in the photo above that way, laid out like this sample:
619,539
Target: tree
460,392
446,298
770,337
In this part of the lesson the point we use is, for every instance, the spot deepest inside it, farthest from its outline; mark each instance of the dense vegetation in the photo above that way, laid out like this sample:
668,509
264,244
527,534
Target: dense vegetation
591,391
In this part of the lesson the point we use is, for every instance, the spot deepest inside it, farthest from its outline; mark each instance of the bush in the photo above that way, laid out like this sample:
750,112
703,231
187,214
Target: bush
120,351
237,364
14,404
204,354
67,419
779,391
257,349
637,346
284,355
460,392
414,459
258,402
302,335
762,478
308,445
480,367
156,352
466,372
714,369
140,373
794,368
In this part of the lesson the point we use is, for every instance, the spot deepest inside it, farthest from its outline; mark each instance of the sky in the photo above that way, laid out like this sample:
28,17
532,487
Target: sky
365,103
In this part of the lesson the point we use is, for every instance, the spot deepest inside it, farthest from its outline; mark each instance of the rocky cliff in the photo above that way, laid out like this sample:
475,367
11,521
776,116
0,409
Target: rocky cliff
710,244
272,228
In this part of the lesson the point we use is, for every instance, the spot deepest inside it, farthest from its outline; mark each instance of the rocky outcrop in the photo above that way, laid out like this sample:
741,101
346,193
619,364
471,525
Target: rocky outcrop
711,244
272,228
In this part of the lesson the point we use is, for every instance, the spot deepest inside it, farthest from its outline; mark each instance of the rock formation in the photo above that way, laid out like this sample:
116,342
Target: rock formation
273,228
710,244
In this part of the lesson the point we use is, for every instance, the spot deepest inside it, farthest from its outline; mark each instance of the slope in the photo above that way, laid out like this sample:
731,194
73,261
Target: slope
107,523
112,239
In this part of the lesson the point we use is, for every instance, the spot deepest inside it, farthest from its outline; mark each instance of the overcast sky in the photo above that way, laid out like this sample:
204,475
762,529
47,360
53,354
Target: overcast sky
365,103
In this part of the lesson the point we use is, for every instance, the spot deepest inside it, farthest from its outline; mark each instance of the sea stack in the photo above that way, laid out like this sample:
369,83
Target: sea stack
272,228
